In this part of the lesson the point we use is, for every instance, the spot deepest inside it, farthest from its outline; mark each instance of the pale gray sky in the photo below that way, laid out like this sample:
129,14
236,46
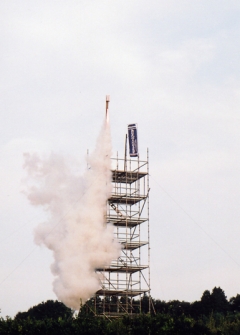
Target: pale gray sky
172,67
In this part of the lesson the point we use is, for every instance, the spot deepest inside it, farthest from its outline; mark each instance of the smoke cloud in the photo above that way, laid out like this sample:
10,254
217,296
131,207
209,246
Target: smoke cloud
75,230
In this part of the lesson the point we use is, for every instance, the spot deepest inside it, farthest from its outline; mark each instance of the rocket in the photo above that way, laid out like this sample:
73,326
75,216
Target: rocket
107,103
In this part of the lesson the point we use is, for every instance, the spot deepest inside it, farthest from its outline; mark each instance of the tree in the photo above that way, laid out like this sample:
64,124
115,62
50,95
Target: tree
49,309
160,306
214,302
206,303
234,303
219,300
145,304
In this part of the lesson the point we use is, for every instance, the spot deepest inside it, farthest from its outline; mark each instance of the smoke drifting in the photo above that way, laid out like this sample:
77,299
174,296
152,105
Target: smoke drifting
75,231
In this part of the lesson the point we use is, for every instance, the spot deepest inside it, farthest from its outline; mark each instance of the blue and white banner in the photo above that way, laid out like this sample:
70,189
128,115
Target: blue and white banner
133,141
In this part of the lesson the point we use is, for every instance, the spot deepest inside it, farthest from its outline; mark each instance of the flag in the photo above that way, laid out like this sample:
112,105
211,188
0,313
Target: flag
133,141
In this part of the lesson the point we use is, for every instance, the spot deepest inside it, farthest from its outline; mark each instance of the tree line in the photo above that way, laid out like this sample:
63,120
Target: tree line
212,314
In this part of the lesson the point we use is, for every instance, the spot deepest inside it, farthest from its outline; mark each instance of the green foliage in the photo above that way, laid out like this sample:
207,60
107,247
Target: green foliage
234,303
219,300
212,314
46,310
215,302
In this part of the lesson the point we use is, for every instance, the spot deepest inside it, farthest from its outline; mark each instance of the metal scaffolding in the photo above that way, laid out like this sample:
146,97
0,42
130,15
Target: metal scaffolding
127,280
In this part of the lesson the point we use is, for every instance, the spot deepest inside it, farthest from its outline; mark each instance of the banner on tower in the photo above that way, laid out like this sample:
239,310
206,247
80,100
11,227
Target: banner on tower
133,140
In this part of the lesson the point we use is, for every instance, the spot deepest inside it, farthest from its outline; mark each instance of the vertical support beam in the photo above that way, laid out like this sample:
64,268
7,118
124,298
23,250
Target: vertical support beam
149,279
125,155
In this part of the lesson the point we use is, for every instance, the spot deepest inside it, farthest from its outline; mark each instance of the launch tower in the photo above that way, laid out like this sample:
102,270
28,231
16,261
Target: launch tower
126,282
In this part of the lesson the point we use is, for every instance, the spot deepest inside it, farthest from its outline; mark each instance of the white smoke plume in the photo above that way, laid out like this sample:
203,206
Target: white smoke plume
76,231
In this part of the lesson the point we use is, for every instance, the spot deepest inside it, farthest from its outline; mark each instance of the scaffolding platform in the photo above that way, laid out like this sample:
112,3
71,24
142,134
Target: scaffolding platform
128,177
122,268
123,221
120,293
129,199
133,245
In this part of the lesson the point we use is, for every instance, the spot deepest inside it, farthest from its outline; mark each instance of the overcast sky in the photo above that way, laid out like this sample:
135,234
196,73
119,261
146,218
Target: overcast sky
172,67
